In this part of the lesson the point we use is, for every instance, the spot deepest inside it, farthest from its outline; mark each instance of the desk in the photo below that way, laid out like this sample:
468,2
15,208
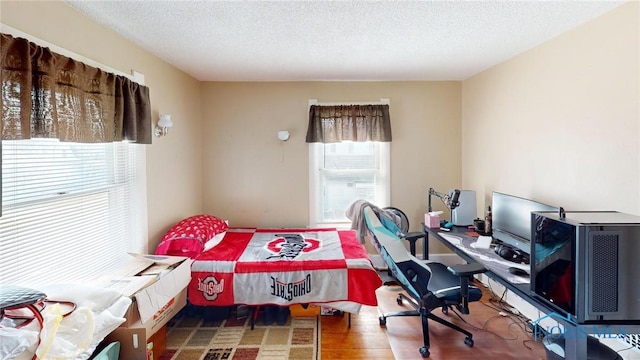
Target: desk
496,271
576,346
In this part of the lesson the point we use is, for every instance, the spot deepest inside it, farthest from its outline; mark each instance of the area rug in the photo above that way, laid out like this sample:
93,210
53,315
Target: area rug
192,338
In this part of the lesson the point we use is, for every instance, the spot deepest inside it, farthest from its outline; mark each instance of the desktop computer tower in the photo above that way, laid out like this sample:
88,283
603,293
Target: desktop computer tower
465,213
585,265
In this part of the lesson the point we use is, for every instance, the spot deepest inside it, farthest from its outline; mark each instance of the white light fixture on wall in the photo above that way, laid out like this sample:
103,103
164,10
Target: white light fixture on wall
283,135
163,125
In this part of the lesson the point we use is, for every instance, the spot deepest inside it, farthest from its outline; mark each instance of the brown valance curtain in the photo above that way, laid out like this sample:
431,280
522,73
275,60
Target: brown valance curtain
331,124
48,95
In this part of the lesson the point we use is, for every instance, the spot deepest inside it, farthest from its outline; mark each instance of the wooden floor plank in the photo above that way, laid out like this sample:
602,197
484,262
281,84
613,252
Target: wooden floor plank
495,336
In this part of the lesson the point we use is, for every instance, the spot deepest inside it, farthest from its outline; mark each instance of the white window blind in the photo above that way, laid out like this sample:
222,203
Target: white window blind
71,211
341,173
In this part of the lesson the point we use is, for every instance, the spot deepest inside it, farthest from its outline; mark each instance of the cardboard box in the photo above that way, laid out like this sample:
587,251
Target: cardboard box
160,318
157,344
135,338
153,283
299,310
133,343
132,347
158,288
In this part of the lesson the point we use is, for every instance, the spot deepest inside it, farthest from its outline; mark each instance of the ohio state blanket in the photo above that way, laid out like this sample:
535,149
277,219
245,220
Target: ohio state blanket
284,267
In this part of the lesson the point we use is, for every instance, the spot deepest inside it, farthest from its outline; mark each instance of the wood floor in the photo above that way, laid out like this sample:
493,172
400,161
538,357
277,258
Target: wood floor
495,335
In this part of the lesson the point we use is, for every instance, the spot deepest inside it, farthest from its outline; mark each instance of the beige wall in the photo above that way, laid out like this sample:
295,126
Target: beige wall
253,179
560,123
174,169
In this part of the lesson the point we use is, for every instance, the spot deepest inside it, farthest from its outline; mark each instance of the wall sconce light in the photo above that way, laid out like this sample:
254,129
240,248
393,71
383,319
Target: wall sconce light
283,135
163,125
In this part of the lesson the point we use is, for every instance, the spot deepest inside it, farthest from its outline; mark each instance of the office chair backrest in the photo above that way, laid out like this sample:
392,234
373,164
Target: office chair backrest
390,247
404,220
385,237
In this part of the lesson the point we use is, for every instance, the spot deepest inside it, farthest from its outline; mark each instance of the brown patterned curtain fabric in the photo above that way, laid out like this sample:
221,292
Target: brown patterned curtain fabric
48,95
331,124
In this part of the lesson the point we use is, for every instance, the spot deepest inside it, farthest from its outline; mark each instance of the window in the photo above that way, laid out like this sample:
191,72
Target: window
343,172
70,211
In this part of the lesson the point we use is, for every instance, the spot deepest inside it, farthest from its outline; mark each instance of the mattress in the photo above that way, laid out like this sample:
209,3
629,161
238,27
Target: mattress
257,266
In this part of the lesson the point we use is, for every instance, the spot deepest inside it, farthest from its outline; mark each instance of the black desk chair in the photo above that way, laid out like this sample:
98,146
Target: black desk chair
429,285
411,237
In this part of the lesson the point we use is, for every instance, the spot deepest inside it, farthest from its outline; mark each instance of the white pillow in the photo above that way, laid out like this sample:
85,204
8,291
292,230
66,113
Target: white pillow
214,241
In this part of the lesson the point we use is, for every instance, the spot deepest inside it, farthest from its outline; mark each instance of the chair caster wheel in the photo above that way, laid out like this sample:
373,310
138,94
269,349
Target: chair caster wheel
399,300
424,351
468,341
383,320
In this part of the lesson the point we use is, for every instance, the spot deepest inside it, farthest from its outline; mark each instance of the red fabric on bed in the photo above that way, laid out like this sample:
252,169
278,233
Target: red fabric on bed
201,227
284,266
189,236
180,247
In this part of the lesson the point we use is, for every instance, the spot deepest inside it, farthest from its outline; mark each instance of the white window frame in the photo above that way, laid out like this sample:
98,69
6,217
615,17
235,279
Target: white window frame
316,154
138,237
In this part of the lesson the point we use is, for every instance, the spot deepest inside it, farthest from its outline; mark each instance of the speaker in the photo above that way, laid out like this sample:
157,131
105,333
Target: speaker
465,213
603,247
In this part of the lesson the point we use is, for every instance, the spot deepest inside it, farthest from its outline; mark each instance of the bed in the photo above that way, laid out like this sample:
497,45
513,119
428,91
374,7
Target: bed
257,266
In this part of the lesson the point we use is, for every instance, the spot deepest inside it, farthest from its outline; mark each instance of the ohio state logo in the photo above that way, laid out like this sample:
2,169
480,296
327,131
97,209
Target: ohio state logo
289,246
292,290
210,287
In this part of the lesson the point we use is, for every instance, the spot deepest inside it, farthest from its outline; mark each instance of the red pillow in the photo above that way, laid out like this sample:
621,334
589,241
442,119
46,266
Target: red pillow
189,236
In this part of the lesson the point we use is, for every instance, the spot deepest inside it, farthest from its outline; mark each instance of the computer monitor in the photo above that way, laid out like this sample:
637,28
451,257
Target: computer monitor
511,219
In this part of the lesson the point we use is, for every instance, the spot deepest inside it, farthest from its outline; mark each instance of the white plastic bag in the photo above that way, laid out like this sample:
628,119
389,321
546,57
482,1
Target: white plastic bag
107,305
105,322
65,337
17,344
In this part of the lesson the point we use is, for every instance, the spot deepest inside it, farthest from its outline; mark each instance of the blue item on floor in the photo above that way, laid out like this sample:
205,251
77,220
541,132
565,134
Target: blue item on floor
283,315
110,352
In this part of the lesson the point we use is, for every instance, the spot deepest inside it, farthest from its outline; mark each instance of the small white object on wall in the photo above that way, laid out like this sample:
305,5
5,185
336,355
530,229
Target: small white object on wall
283,135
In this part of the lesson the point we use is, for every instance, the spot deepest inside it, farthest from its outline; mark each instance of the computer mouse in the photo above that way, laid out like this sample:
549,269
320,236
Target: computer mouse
517,271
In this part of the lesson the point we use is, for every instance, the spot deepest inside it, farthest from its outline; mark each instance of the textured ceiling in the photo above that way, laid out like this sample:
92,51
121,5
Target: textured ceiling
338,40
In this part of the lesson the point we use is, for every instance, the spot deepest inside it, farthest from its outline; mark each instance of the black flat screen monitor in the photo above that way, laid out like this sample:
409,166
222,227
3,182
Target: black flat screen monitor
511,219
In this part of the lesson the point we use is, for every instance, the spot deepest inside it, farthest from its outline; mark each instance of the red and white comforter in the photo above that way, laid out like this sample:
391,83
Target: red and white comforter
284,267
